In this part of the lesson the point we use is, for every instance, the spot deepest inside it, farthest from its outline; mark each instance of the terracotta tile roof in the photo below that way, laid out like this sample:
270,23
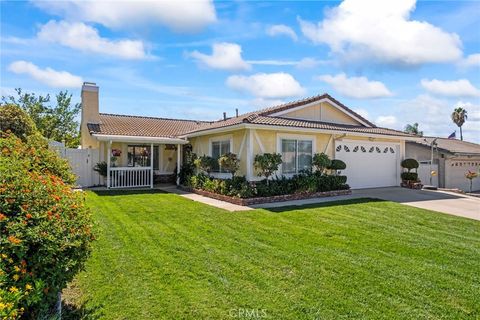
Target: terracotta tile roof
114,124
452,145
161,127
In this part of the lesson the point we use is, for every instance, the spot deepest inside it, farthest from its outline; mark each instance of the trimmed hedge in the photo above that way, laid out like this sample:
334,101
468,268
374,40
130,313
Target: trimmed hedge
336,164
409,176
241,188
410,164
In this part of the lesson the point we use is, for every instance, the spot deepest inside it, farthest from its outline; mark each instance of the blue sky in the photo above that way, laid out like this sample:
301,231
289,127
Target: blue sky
393,62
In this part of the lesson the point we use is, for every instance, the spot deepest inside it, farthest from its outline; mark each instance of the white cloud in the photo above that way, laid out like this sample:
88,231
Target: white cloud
267,85
434,116
362,112
225,56
305,63
281,29
80,36
386,121
181,16
48,76
382,30
356,87
472,60
455,88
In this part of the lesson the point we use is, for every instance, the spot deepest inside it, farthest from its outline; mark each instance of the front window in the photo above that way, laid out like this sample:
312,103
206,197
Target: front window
296,155
219,148
139,156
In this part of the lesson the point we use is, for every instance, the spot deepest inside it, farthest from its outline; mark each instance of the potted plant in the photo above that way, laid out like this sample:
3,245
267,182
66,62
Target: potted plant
115,154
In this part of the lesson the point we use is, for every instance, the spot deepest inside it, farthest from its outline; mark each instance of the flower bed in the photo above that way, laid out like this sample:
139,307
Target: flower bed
259,200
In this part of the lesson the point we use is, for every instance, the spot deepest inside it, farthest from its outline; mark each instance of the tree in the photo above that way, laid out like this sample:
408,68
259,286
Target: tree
459,115
267,164
229,162
55,122
321,161
13,118
413,129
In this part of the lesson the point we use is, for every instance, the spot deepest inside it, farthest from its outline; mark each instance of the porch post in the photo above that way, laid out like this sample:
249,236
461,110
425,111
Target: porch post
151,165
178,163
109,152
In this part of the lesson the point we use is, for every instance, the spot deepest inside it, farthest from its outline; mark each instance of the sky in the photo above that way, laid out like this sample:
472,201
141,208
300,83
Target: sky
393,62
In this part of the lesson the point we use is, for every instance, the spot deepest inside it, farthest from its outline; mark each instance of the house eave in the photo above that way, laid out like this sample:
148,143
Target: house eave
138,139
292,129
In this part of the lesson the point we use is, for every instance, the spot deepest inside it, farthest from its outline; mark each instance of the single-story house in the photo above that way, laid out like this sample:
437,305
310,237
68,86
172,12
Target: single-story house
149,147
451,160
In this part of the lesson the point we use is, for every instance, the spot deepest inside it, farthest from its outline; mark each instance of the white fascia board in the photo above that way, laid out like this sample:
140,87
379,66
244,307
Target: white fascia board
216,130
138,139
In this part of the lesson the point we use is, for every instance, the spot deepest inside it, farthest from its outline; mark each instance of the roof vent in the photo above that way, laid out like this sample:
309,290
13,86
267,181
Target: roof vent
224,116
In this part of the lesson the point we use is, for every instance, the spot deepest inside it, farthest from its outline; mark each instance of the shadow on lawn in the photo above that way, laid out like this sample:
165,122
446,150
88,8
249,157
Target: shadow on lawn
74,312
126,192
324,204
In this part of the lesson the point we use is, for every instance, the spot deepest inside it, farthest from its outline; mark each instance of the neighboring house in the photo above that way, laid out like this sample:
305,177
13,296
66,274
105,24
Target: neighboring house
451,159
296,130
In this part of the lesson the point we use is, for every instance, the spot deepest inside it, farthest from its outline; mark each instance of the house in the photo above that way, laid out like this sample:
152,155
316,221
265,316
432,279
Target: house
451,160
149,148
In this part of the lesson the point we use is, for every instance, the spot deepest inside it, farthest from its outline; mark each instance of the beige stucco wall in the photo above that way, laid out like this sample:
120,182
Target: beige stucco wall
322,111
201,145
267,141
90,114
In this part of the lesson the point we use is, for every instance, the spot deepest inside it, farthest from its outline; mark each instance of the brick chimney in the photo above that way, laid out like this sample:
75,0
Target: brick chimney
90,114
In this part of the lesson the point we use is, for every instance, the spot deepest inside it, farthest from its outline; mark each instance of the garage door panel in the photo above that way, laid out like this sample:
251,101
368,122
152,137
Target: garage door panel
369,164
455,171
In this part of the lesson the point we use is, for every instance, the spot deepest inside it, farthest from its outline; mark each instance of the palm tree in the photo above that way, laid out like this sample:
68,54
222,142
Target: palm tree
413,129
459,115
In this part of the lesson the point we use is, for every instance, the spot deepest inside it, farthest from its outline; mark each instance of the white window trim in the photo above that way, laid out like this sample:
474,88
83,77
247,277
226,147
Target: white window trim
281,136
229,137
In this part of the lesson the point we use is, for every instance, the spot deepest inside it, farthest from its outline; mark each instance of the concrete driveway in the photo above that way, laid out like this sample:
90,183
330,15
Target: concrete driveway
446,202
441,201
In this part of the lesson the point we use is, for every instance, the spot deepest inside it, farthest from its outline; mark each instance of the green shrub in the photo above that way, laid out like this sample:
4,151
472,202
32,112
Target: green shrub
409,164
229,162
205,163
17,121
266,164
188,167
409,176
320,162
45,228
336,165
101,168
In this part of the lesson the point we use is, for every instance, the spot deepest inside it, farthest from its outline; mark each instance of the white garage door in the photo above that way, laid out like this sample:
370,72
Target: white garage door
455,174
369,164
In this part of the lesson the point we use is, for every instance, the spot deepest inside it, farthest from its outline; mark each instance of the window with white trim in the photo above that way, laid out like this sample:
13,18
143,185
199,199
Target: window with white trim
296,155
219,148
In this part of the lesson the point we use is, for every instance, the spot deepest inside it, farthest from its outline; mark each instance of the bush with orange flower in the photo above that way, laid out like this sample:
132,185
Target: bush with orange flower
45,228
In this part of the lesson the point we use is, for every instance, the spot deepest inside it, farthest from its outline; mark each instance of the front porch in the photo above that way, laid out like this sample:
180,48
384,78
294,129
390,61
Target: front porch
140,162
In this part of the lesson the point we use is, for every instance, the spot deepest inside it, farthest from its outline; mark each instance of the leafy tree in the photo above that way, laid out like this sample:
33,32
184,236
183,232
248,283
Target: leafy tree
267,164
13,118
229,162
321,161
459,115
413,129
205,163
55,122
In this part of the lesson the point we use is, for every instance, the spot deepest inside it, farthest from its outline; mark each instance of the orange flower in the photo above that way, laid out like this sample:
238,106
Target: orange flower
5,150
24,206
2,217
23,263
14,240
28,216
55,197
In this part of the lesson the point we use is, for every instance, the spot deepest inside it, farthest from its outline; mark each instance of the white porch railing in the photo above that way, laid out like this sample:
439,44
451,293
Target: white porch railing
128,177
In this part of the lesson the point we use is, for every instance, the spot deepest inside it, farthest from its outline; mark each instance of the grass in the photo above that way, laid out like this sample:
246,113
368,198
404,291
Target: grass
160,256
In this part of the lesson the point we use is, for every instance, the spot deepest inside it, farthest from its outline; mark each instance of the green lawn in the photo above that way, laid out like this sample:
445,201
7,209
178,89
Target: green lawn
159,256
